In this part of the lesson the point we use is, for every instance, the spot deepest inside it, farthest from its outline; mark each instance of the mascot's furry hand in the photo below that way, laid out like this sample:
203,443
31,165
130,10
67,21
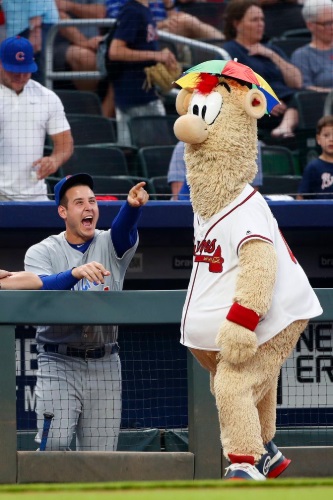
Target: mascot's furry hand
237,343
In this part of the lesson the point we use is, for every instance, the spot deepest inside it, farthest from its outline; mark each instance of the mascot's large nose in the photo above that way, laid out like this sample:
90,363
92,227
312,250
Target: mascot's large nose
191,129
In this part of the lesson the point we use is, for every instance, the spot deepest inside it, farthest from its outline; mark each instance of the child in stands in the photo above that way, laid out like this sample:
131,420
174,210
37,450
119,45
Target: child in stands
317,180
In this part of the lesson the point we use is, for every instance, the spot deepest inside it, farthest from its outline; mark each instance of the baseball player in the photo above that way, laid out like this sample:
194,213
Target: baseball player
78,377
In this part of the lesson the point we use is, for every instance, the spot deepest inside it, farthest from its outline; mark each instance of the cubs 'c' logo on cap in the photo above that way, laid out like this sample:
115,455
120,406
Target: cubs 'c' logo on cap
20,56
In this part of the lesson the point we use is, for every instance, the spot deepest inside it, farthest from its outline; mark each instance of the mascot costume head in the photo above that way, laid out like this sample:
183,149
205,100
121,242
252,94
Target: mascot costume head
248,299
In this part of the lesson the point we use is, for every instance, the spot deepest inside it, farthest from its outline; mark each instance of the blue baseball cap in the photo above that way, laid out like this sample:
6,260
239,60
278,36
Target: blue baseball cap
17,55
71,180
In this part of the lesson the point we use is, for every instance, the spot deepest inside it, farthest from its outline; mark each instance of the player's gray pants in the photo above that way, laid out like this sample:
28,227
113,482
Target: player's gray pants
84,396
151,108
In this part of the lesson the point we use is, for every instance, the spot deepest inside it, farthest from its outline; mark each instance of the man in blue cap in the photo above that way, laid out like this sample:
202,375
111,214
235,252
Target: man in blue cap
31,19
29,112
79,374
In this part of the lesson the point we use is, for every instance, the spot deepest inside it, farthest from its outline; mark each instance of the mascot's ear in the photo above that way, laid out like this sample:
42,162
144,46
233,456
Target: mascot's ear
183,101
255,103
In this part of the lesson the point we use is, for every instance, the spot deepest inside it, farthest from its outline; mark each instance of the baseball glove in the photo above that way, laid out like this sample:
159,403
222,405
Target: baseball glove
160,76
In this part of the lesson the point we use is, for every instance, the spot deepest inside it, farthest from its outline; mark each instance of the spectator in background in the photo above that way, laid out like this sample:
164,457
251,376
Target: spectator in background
168,18
75,48
177,173
177,170
21,280
31,19
315,60
244,28
317,177
135,44
29,111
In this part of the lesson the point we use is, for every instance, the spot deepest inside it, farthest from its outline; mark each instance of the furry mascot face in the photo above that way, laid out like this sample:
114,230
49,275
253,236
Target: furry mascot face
218,123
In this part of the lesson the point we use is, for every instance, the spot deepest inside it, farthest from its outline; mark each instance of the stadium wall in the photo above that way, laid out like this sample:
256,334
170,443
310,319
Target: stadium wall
203,458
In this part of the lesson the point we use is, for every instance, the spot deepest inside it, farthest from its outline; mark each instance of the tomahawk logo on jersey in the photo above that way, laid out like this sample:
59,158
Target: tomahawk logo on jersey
214,261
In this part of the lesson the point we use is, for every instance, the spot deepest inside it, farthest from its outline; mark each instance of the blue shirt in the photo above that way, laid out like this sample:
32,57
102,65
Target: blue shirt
19,12
318,178
157,8
137,29
315,66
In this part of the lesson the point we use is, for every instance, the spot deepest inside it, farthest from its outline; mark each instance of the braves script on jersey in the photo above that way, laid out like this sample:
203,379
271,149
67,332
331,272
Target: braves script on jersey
215,266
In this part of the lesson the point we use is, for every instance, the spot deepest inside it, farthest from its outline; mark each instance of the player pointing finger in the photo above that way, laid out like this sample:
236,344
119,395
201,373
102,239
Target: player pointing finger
138,196
89,260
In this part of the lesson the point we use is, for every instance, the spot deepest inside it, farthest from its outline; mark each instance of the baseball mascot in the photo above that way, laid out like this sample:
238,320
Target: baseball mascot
248,299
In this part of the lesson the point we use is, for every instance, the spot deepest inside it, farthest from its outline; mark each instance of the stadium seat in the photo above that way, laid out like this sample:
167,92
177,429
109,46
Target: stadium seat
155,160
328,104
289,45
96,161
80,102
310,107
91,129
115,185
153,130
297,32
280,184
51,181
161,187
130,152
283,18
277,160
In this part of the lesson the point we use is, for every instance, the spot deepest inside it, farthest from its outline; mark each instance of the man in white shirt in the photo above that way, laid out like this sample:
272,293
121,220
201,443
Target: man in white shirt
28,113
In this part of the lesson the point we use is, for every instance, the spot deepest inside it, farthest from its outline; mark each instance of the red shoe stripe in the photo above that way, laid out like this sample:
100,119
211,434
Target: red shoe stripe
239,459
279,469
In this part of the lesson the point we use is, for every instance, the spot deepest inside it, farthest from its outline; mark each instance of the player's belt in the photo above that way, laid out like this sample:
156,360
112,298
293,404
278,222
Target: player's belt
90,353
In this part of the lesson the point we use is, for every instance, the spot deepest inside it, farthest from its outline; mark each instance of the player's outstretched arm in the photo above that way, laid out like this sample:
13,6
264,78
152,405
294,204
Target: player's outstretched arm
124,226
138,196
21,280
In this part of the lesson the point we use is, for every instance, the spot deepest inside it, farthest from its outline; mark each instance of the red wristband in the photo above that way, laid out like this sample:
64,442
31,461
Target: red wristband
243,316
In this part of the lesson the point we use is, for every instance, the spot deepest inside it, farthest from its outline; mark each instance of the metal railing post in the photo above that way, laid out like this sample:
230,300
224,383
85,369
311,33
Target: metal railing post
50,75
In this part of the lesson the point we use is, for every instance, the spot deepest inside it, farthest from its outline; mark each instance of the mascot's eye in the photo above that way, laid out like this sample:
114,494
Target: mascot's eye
197,103
206,106
213,104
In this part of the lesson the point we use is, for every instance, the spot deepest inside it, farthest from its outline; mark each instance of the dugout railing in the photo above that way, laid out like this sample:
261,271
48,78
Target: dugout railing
203,460
197,51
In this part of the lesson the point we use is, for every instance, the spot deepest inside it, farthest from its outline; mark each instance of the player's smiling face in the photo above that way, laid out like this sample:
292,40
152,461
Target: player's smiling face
80,215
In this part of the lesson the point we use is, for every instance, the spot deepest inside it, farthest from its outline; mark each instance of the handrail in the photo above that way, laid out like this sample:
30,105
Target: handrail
50,75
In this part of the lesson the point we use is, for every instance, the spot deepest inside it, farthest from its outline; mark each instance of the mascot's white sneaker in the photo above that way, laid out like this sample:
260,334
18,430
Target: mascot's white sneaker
243,467
279,462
